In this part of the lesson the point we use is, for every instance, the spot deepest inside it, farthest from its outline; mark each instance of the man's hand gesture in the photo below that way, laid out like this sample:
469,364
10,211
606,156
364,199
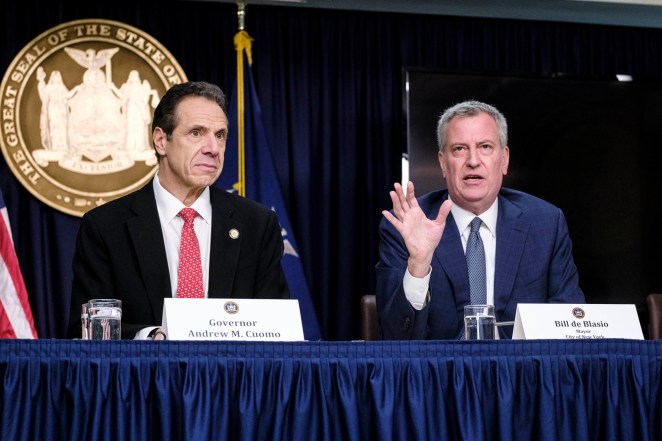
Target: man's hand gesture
421,235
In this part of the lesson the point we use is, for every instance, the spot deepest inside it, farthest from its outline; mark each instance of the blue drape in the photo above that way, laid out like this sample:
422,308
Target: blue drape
330,85
500,390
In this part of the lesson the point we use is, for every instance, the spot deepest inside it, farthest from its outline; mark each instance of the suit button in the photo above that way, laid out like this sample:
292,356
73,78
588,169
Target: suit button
406,323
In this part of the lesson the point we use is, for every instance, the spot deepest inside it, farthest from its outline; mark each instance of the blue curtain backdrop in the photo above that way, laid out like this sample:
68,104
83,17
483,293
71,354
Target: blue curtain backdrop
330,85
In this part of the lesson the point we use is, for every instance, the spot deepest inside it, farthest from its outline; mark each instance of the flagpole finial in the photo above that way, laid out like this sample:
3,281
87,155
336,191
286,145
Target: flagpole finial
241,13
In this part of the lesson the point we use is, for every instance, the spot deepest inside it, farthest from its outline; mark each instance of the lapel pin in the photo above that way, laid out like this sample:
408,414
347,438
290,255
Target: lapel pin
234,233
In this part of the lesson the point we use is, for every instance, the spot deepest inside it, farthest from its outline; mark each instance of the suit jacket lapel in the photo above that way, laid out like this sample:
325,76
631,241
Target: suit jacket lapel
450,255
145,232
226,238
511,234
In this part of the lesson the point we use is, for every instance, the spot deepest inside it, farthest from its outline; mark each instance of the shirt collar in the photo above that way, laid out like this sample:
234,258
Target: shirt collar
463,217
170,206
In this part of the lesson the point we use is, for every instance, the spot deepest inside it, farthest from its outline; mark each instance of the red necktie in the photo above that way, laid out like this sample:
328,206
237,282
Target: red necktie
189,275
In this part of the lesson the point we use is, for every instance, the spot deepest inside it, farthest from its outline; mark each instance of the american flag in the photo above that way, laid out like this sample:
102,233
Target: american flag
15,313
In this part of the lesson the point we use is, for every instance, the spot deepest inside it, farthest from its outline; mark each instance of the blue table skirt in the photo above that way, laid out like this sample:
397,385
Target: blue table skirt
439,390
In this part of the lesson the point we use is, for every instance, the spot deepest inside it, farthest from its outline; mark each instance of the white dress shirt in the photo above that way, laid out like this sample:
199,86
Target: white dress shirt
169,207
172,224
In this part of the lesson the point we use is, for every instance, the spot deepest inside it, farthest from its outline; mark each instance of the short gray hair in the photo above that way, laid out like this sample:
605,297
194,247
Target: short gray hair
471,108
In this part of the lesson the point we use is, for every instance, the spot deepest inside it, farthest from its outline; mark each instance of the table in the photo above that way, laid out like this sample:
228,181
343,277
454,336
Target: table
385,390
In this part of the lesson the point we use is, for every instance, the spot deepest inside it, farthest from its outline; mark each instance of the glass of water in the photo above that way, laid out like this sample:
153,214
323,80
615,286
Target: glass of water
105,319
479,322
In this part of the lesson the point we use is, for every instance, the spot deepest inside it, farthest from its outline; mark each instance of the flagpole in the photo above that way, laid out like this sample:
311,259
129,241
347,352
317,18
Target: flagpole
256,175
242,42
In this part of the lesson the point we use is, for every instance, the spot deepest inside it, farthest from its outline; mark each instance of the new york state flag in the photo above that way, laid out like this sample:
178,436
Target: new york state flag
249,170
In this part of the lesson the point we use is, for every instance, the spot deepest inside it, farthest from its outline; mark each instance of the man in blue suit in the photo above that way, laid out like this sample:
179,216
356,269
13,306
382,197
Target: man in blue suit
422,275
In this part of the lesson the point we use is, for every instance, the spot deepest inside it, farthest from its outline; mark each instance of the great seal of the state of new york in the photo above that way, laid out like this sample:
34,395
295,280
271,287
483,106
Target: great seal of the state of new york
77,103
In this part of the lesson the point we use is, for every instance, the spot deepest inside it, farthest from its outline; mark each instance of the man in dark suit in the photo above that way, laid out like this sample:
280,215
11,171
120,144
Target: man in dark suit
128,249
422,275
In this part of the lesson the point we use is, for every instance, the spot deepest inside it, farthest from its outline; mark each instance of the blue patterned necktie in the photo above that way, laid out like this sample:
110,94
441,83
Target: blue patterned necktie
476,265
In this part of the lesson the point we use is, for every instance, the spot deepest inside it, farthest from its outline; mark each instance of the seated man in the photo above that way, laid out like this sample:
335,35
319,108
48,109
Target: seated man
129,248
423,280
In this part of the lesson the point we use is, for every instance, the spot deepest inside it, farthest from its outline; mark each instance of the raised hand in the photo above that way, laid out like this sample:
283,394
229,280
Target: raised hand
421,235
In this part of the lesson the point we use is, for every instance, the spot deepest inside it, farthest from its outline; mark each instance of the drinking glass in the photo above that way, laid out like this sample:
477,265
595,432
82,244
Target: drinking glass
105,319
479,322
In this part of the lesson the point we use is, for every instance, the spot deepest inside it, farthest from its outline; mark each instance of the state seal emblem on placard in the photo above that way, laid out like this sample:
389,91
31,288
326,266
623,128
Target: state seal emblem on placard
77,105
231,307
578,313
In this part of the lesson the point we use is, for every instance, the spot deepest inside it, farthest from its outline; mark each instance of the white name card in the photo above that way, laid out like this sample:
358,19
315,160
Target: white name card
567,321
232,319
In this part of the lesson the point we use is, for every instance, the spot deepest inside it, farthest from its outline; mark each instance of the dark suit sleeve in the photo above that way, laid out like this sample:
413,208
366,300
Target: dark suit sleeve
398,319
105,266
564,279
270,280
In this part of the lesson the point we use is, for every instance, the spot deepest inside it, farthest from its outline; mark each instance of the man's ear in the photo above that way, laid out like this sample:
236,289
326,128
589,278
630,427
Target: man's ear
159,139
506,160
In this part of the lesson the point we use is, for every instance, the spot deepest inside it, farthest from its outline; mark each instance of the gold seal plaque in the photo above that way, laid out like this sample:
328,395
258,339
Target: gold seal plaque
77,104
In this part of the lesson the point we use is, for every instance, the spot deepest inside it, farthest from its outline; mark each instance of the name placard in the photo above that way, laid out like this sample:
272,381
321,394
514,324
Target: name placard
232,319
567,321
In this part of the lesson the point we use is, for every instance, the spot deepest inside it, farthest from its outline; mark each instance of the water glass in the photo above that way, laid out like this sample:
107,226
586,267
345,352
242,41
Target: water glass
479,322
105,319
